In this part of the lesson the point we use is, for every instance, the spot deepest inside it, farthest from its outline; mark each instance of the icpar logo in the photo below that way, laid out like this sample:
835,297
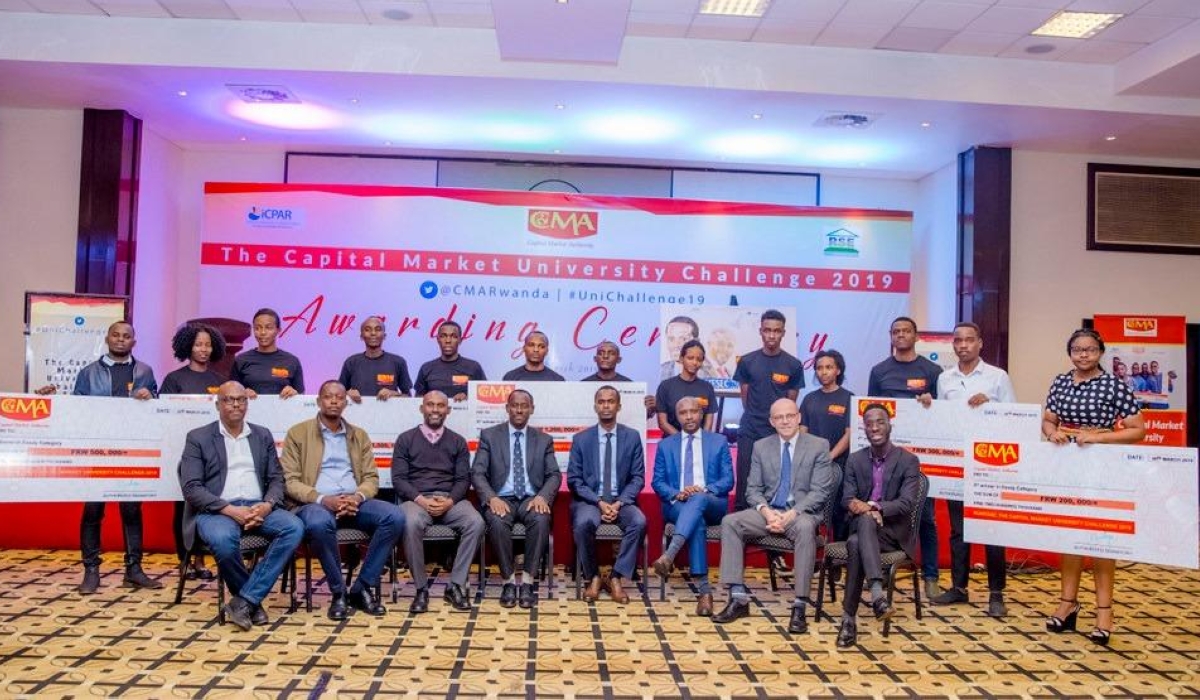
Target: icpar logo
494,393
1142,327
275,217
24,408
997,454
562,223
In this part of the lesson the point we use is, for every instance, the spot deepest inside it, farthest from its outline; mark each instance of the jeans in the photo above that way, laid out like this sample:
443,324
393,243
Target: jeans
223,536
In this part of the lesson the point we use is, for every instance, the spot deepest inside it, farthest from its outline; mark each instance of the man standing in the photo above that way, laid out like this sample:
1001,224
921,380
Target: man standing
450,372
431,472
880,491
537,344
608,356
116,373
973,382
791,479
606,471
233,484
764,376
907,375
517,477
331,479
693,475
374,372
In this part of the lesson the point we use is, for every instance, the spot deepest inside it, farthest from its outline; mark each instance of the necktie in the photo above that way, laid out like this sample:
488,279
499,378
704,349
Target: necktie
785,478
518,466
608,460
689,461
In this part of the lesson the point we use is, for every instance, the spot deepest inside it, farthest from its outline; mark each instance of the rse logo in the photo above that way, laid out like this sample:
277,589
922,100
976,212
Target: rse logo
494,393
561,223
25,409
997,454
1141,326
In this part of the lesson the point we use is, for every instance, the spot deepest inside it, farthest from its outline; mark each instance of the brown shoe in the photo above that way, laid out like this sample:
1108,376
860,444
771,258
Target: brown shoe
614,589
592,592
704,605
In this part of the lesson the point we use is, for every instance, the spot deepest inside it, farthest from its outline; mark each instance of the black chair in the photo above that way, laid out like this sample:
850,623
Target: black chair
612,532
518,534
782,545
712,533
251,546
434,533
346,537
891,562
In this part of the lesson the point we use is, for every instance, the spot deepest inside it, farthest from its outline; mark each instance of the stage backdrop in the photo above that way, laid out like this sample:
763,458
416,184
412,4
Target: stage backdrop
581,268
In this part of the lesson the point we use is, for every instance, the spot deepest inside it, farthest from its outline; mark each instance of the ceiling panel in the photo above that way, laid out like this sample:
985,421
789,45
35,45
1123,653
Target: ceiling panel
875,11
942,15
979,43
1146,29
915,39
1172,8
854,36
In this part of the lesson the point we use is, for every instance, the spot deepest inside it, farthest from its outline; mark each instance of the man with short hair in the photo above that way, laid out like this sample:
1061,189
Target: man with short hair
449,372
606,471
693,475
791,479
331,481
233,485
880,491
536,345
608,356
374,372
516,476
116,373
431,472
907,375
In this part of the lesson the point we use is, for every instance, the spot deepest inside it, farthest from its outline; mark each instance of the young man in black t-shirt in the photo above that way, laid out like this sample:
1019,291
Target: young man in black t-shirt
450,372
537,344
374,372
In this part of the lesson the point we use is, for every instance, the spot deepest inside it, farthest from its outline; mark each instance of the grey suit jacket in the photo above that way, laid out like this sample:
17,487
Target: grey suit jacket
812,473
493,463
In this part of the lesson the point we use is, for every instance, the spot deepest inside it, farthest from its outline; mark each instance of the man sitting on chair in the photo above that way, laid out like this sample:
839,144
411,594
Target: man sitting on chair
791,478
693,474
521,495
329,468
232,484
880,491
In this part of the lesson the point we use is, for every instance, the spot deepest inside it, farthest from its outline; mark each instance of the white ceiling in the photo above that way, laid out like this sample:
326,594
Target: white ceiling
646,81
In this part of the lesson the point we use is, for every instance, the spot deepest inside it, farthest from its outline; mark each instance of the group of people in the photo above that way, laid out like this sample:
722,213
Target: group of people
234,481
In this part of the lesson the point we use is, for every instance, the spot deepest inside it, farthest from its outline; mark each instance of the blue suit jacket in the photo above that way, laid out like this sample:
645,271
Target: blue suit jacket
583,466
668,467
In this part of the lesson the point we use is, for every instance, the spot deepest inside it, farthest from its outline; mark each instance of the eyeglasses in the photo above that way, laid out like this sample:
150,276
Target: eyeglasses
233,400
1093,350
786,416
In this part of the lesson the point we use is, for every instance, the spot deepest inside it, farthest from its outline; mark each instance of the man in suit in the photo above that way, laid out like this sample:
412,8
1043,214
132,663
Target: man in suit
521,495
880,491
605,472
331,480
693,474
791,478
232,483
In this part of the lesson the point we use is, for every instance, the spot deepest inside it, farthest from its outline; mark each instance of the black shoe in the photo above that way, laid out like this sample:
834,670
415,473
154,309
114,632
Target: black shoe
1098,635
363,600
136,578
883,611
734,610
799,622
848,634
201,574
259,616
420,601
91,580
239,612
457,597
1066,624
996,607
951,596
527,596
508,595
337,608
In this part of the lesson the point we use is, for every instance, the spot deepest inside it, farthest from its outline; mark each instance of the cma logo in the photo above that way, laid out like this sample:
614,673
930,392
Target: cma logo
563,223
997,454
275,217
1142,327
25,409
889,405
494,393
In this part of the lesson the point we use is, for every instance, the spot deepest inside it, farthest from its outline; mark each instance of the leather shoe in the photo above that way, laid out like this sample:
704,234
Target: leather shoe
258,615
592,592
337,607
704,605
663,566
734,610
136,578
996,607
848,634
91,580
883,611
616,591
508,595
203,574
238,611
951,596
527,596
363,600
799,621
420,602
457,597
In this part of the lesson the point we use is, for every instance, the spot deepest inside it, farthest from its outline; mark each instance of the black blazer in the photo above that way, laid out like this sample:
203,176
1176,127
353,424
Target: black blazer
493,463
203,467
901,488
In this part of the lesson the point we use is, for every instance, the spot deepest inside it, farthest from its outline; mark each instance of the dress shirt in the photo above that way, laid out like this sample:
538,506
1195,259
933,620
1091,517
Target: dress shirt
989,380
430,434
241,481
697,456
509,488
336,476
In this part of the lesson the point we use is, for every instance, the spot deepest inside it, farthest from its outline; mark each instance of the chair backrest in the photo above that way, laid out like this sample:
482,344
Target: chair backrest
922,492
834,496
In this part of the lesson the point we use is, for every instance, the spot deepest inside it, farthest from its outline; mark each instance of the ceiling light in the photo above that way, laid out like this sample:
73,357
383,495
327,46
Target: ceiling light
562,2
353,100
286,116
560,106
756,116
182,93
1110,138
926,125
1076,25
264,94
735,8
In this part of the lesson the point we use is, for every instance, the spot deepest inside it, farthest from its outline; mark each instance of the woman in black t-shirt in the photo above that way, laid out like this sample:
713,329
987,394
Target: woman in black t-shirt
686,383
266,369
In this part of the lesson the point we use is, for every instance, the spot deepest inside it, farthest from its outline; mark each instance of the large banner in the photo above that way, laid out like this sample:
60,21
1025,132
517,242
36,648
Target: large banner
1149,353
581,268
1129,502
65,332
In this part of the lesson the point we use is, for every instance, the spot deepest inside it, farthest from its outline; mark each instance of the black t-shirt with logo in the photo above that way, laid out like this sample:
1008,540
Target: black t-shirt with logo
370,374
185,380
670,391
827,415
268,372
904,380
770,378
450,378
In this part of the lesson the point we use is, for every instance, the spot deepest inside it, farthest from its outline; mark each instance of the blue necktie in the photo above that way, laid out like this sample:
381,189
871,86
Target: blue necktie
785,478
689,470
518,466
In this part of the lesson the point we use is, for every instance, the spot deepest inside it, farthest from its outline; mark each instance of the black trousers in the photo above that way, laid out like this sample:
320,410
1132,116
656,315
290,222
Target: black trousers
864,547
960,555
499,534
89,532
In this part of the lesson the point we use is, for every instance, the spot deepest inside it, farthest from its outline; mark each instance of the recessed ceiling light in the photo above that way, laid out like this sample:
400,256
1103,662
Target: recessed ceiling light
562,2
558,150
387,143
1110,138
353,100
1076,25
264,94
735,8
241,138
926,125
182,93
560,106
756,116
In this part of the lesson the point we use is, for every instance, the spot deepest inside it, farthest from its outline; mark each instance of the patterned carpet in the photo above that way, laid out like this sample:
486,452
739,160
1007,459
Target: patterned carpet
53,643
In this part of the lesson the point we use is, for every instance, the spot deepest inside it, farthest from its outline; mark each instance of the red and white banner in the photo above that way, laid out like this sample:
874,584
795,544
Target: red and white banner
1149,353
581,268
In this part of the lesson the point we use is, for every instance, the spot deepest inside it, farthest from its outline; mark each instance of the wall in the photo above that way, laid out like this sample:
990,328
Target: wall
1057,281
157,251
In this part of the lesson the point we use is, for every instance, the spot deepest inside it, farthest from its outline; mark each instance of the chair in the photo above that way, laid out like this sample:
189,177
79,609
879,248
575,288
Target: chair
250,546
712,533
434,533
891,562
613,532
346,537
518,533
782,545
